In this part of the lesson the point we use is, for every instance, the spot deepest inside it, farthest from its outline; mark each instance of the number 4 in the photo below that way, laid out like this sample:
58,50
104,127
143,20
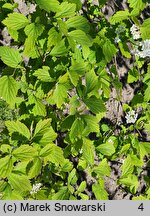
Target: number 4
141,207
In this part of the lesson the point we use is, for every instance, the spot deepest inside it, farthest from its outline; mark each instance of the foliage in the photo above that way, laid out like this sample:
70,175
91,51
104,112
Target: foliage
54,85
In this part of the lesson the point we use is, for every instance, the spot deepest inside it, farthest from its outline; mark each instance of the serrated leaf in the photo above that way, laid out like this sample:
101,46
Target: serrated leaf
24,152
33,31
66,10
109,50
76,129
99,192
136,4
19,183
133,75
10,56
48,137
106,148
91,124
60,93
6,166
43,74
130,181
39,108
15,21
52,5
62,194
35,168
81,187
96,105
53,37
42,127
80,37
127,167
8,89
144,149
103,169
119,16
124,49
19,127
78,22
145,29
88,151
72,178
66,166
91,81
53,153
59,49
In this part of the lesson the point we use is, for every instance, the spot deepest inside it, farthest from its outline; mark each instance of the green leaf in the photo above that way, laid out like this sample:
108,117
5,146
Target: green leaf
43,74
53,153
20,183
91,124
24,152
144,149
145,29
78,67
54,37
127,167
136,4
72,178
39,108
119,16
96,105
80,37
76,129
99,192
48,137
109,50
19,127
10,56
140,198
52,5
33,31
91,81
133,75
103,169
60,93
42,127
62,194
15,21
106,148
82,187
78,22
59,49
35,168
66,10
88,151
8,89
124,49
66,166
130,181
6,166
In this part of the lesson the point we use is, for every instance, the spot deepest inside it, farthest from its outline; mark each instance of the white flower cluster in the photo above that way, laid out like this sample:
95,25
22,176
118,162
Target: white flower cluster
145,49
135,31
131,117
35,188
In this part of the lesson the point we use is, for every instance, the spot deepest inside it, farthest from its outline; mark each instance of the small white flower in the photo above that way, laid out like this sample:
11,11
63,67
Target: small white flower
135,31
145,49
117,40
110,141
35,188
131,117
78,46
